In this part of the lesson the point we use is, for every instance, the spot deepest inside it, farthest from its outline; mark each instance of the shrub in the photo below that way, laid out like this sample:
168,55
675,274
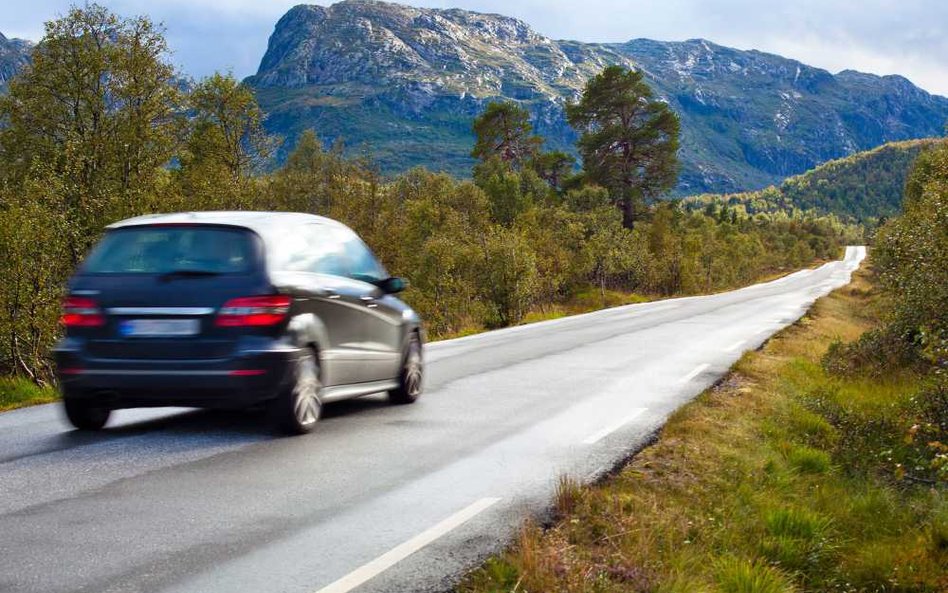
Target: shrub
875,353
926,438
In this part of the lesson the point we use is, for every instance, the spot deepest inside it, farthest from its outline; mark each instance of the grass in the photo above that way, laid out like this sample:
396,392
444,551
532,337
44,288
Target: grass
18,392
586,301
779,479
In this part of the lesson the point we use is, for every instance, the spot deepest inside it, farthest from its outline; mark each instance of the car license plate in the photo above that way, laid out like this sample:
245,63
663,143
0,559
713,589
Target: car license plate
159,328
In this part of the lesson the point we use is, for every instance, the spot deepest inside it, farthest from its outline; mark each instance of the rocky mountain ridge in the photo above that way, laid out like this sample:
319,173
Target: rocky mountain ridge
404,83
14,54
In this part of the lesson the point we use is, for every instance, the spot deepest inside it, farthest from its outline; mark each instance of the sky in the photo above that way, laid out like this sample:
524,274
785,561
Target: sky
904,37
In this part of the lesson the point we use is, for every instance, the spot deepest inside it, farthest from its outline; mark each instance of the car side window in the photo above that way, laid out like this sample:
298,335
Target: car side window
308,248
328,257
362,263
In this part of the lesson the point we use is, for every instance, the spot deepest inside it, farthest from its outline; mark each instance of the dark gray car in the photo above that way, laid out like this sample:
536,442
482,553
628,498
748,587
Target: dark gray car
231,310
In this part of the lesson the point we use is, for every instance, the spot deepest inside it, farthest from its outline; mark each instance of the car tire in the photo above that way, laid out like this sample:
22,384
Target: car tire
85,416
411,376
298,407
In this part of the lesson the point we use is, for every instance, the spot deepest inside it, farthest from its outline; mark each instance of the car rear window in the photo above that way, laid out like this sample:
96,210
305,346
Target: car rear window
164,249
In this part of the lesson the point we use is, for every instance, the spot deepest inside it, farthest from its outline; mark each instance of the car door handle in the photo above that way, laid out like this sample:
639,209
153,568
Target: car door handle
330,293
369,301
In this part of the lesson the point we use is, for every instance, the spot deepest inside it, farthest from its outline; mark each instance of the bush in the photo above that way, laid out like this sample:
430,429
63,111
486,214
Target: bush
912,257
875,353
926,438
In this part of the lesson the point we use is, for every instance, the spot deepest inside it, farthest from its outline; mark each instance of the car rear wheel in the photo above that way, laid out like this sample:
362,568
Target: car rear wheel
84,416
298,408
411,376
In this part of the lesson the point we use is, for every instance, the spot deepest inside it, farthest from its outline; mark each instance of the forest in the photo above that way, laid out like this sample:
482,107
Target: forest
100,127
865,187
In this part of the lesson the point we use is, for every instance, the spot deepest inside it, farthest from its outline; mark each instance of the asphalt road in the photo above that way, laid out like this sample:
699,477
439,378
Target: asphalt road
379,498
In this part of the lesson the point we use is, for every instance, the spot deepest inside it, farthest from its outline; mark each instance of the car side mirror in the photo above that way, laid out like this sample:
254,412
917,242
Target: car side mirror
393,285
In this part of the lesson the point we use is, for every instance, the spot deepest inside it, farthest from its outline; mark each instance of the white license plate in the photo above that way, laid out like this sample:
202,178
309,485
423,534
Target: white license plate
164,328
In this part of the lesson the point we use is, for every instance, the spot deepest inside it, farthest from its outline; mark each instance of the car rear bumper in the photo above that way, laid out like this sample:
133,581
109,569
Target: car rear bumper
248,377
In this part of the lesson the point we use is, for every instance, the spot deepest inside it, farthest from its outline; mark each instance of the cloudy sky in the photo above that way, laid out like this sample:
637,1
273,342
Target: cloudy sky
881,36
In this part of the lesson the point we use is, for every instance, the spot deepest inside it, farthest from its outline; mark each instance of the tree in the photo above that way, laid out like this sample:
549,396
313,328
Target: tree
97,110
509,276
227,129
628,139
503,130
308,180
554,168
510,192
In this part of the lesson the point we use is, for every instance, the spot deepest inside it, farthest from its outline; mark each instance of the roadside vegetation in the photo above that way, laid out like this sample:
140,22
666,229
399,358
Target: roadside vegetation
101,127
820,463
16,392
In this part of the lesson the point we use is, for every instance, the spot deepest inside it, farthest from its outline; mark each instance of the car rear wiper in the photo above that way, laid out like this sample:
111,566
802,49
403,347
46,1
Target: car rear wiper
187,273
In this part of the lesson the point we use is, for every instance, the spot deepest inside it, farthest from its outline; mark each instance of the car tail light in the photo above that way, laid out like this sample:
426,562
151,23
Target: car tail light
81,312
253,311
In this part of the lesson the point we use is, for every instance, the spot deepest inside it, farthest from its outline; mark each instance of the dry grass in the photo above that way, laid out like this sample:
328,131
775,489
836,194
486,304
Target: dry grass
747,491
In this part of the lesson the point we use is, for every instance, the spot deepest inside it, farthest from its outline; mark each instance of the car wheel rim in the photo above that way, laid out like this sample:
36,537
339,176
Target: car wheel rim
306,393
413,372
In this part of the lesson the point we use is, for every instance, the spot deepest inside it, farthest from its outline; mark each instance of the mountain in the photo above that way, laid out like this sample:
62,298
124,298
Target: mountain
765,117
862,187
14,54
404,84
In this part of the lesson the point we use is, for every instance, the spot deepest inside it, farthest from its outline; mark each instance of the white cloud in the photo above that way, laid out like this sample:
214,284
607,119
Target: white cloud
880,36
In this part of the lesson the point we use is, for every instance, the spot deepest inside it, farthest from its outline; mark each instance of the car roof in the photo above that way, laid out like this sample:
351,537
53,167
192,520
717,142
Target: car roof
259,222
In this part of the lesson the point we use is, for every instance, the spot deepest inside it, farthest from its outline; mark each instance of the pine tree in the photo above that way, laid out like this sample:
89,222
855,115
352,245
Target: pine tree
628,139
503,130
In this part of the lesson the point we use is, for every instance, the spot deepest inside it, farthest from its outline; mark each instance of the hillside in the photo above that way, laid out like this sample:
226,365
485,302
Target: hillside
404,83
862,187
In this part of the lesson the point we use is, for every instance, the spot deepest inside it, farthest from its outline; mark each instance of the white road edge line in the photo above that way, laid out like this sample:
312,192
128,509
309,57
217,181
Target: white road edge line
595,438
400,552
698,370
647,307
733,347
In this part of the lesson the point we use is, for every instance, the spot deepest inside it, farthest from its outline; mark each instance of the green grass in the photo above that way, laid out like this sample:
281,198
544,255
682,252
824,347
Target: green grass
17,392
782,478
735,575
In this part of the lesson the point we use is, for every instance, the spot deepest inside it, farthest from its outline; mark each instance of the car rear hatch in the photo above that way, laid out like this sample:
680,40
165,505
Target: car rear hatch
158,290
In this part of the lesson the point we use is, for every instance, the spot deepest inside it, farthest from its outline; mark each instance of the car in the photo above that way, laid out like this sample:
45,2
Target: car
227,310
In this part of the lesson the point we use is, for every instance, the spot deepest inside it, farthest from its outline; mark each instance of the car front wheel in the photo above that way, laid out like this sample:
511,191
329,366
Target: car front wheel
412,373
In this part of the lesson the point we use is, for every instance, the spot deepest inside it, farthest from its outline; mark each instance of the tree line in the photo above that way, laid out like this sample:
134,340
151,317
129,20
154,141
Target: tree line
866,187
101,127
